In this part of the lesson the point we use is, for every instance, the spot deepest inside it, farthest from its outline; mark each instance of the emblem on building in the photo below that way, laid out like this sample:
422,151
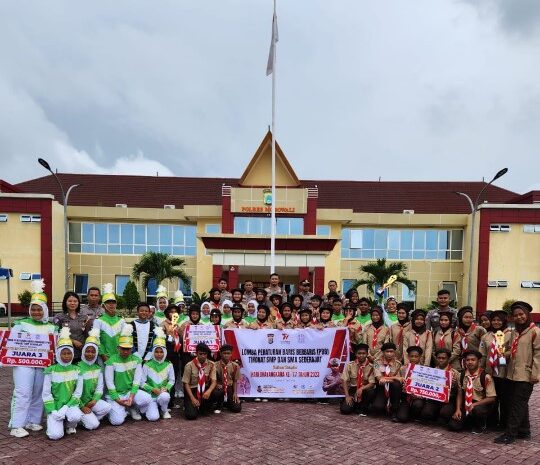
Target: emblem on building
267,196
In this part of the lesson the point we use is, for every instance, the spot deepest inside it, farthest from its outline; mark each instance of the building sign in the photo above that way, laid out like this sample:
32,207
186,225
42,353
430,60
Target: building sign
259,200
267,210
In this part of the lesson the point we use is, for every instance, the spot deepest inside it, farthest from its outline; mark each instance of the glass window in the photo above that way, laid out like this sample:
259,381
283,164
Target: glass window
80,284
139,249
152,234
419,240
264,226
75,248
120,285
282,226
432,239
450,286
101,233
165,235
356,238
113,248
405,254
75,233
100,248
393,239
191,235
212,229
140,234
407,295
127,234
346,238
185,288
323,230
444,240
87,248
297,226
240,225
406,237
381,239
88,232
346,285
368,239
114,234
126,249
151,288
457,239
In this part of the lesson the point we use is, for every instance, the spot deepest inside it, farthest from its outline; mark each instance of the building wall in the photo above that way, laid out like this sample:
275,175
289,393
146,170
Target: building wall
513,256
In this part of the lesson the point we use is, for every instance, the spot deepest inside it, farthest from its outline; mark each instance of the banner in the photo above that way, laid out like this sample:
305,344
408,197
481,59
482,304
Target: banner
207,334
26,349
302,363
429,383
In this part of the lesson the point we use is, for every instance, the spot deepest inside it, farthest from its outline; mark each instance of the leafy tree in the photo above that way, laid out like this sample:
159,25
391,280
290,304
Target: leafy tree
380,271
159,266
131,296
199,299
24,298
507,304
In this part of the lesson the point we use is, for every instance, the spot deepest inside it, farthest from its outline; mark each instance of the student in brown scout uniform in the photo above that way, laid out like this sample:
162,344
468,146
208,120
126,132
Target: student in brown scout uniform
410,406
494,362
399,330
237,297
523,372
262,322
387,374
237,320
325,318
315,305
447,337
419,336
354,327
227,374
275,304
358,383
199,381
476,395
375,334
305,319
287,320
439,411
471,333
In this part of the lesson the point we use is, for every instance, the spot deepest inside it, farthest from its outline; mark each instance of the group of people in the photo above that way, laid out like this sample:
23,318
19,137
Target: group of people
106,366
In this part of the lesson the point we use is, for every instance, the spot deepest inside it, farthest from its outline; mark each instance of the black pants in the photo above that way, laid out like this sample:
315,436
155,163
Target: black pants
410,409
477,418
235,407
499,415
439,412
362,406
380,402
190,411
517,401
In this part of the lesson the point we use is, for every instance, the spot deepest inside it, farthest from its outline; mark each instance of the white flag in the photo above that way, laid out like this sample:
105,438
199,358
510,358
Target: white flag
271,55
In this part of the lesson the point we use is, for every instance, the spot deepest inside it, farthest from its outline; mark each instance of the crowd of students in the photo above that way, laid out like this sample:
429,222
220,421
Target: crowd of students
107,367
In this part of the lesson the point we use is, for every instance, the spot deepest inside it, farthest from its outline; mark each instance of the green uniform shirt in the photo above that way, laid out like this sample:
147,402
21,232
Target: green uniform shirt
92,377
122,375
109,333
363,319
157,375
63,382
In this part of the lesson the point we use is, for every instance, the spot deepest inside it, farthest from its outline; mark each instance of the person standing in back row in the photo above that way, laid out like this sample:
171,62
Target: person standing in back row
443,304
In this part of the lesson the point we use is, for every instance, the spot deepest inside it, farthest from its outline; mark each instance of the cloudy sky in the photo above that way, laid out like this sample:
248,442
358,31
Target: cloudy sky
402,89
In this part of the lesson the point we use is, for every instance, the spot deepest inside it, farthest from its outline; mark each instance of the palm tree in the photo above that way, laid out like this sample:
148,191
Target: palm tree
380,271
159,266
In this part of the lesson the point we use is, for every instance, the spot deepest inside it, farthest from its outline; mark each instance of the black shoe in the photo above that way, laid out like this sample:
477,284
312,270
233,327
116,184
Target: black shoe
394,419
524,436
479,430
504,439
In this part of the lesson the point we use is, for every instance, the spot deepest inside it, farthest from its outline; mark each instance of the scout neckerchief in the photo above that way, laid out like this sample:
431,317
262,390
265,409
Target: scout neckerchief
201,383
494,356
237,323
469,391
261,323
465,335
376,332
176,337
386,372
441,344
515,342
400,334
225,380
408,371
360,379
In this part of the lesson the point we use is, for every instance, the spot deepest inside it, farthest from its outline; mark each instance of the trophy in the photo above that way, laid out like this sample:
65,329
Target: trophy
391,280
174,319
499,337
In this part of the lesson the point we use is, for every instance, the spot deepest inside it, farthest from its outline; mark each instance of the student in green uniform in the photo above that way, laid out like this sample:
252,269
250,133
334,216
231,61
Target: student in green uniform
109,324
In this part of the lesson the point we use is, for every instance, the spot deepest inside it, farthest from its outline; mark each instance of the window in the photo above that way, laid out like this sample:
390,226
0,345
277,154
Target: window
527,228
450,286
346,285
405,244
25,276
80,284
323,230
36,219
407,295
35,276
185,288
151,288
120,283
261,225
3,218
132,239
26,218
212,229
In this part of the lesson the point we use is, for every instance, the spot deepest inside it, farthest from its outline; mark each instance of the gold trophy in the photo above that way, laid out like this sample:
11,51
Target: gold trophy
174,319
391,280
499,337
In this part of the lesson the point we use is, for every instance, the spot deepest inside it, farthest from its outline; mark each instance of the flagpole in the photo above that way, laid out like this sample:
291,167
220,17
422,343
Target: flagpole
274,200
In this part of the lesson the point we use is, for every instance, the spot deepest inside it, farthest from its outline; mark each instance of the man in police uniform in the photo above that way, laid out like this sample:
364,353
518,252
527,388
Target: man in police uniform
305,293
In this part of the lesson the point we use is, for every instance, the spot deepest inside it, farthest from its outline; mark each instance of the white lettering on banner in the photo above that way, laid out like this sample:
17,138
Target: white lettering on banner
202,334
295,364
429,383
26,349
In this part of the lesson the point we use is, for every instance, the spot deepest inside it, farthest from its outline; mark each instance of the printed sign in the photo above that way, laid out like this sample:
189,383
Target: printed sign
207,334
302,363
26,349
429,383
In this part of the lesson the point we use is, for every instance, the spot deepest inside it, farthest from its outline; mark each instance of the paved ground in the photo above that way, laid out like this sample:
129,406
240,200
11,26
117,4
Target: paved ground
265,433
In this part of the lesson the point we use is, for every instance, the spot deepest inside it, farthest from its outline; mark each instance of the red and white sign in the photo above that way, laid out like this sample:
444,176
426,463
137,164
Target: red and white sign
429,383
206,334
26,349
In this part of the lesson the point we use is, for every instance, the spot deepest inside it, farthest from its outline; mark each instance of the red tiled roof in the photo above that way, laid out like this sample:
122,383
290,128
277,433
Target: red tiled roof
360,196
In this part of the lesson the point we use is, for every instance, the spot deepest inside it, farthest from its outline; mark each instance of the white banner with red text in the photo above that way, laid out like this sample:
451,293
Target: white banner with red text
429,383
26,349
290,363
205,334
